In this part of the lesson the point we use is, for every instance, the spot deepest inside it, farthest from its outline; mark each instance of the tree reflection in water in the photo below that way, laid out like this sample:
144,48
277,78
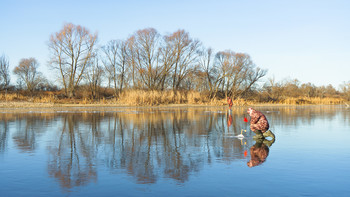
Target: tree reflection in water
148,145
26,133
72,159
4,132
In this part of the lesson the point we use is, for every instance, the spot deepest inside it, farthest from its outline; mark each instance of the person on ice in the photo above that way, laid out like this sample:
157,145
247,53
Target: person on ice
259,124
229,102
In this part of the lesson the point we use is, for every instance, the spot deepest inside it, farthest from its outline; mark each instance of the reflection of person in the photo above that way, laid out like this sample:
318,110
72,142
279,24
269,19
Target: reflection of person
229,102
259,152
259,124
229,120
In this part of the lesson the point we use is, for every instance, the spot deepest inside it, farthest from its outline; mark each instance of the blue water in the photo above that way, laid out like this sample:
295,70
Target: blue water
173,152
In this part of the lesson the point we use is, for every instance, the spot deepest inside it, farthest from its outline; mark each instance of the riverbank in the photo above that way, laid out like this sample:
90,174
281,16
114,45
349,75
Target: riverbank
149,99
29,105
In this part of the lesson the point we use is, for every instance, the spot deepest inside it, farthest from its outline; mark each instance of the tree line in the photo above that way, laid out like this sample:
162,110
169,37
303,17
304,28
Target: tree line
148,60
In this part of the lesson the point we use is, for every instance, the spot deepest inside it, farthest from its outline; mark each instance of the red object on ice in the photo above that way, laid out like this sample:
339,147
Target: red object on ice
245,153
245,119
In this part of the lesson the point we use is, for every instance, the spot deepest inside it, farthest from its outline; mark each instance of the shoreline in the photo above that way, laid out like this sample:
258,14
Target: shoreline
25,105
16,106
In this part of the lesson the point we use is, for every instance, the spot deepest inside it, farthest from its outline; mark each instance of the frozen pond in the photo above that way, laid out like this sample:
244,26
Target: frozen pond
174,152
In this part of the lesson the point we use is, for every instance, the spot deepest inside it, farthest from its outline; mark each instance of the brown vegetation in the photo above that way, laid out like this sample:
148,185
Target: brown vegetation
145,98
27,72
72,49
4,73
148,68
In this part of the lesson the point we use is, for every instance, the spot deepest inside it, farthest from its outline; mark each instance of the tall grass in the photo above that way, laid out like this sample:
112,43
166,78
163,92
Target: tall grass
47,97
141,97
150,98
154,98
312,100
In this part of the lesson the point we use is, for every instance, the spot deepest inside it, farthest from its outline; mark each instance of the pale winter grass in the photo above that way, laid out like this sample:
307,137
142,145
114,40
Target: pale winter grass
315,101
12,97
141,97
148,98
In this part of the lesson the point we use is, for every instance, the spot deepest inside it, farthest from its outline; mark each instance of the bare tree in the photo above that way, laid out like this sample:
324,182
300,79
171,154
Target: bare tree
212,73
71,51
254,75
238,72
184,52
132,70
345,89
94,75
273,89
28,73
233,74
153,58
308,89
159,62
224,62
4,73
291,88
146,49
116,61
109,61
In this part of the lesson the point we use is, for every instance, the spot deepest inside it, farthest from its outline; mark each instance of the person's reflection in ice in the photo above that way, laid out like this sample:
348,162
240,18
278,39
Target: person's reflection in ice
229,119
259,152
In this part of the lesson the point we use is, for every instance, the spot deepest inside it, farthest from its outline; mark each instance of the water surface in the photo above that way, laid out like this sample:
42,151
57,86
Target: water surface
174,152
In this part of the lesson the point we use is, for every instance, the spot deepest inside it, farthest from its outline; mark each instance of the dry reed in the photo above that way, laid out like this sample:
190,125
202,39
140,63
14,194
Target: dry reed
312,101
154,98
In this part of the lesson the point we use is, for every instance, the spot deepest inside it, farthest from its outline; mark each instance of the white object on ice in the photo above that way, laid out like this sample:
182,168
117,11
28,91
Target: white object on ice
241,136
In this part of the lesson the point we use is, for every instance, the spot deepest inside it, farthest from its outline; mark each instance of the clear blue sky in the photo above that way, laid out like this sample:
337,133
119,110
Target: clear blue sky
307,39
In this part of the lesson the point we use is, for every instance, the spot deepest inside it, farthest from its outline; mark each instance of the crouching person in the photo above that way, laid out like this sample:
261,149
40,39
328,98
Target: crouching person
259,124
